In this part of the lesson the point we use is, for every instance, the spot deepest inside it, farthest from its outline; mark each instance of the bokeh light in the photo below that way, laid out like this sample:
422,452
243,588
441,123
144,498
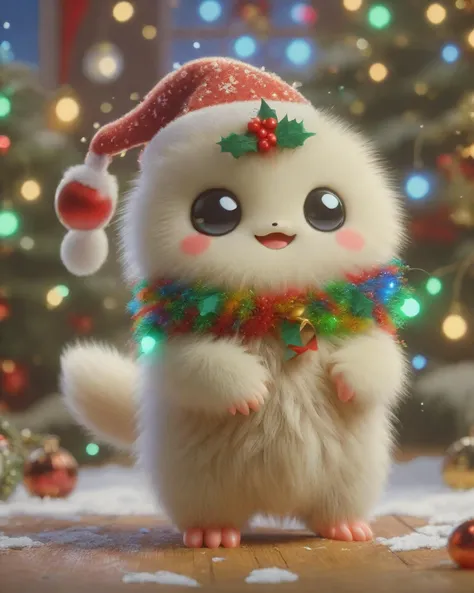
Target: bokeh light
92,449
103,63
147,344
210,10
470,38
5,144
149,32
30,190
303,14
9,223
123,11
454,327
5,105
245,46
379,16
67,109
434,286
436,13
378,72
352,5
419,362
410,307
299,52
417,186
450,53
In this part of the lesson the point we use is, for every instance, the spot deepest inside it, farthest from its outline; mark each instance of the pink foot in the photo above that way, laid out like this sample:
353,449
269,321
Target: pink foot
245,406
359,531
344,392
211,538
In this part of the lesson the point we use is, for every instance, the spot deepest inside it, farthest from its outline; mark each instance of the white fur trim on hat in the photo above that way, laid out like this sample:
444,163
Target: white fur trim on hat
84,252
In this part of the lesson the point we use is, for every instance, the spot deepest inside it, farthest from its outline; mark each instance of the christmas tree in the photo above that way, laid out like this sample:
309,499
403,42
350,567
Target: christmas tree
402,72
42,306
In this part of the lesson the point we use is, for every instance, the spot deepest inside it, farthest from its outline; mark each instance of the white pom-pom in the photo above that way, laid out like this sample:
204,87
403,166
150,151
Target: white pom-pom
84,252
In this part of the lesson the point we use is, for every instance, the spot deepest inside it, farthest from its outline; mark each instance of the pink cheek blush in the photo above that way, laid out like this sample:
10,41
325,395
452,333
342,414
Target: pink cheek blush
195,244
350,240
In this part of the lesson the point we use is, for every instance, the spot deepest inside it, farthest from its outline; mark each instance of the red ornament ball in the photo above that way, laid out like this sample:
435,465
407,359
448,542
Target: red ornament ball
272,139
270,123
50,471
83,208
264,145
461,545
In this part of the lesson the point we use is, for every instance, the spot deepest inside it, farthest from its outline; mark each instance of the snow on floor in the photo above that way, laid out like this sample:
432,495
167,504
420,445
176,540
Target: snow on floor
271,575
415,488
17,543
163,577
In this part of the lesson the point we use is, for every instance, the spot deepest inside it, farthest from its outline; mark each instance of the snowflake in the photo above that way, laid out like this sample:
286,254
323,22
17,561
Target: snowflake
228,88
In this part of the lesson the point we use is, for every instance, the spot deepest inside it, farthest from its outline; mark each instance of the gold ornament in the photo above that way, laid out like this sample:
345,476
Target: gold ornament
458,467
461,545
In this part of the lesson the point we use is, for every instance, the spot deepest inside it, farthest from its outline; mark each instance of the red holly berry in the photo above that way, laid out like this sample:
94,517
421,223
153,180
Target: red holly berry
272,139
270,123
262,133
264,145
254,126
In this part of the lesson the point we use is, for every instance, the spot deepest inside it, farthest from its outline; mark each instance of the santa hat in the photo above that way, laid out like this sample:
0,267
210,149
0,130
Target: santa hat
86,198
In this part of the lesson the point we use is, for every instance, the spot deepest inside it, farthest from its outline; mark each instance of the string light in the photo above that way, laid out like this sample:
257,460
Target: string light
123,11
417,186
450,53
378,72
5,144
106,107
149,32
5,106
436,13
27,243
454,326
54,297
434,286
92,449
410,307
210,10
379,16
470,38
9,223
419,362
352,5
421,88
147,344
30,190
67,109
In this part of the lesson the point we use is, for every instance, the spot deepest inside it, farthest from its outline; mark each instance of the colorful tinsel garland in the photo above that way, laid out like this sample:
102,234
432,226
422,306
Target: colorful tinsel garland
166,307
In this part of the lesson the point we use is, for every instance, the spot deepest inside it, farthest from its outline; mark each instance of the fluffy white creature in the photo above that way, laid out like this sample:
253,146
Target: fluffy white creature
227,429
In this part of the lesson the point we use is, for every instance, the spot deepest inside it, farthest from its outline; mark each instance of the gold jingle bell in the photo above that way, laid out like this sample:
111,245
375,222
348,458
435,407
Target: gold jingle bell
297,313
458,466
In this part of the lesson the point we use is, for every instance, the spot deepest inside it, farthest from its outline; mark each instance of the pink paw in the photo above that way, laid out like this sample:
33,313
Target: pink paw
245,406
344,392
359,531
211,538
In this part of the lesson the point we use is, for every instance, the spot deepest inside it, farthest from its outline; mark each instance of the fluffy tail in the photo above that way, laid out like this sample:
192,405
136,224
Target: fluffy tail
98,384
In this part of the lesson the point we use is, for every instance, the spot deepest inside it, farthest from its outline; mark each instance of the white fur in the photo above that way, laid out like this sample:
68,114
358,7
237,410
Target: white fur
96,178
304,453
99,386
84,252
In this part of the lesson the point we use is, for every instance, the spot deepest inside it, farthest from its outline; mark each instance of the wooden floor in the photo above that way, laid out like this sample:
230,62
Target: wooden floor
76,567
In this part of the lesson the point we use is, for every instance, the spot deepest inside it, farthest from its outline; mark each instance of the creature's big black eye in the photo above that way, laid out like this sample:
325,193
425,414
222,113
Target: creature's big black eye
216,212
324,210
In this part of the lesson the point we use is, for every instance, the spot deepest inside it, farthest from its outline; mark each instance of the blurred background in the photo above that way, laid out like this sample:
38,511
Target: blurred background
401,71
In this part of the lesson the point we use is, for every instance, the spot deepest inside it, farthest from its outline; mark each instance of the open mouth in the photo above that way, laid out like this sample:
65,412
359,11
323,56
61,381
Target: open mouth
275,240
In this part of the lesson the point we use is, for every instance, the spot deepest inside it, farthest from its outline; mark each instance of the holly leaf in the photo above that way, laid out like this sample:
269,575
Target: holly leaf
238,144
266,111
291,133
